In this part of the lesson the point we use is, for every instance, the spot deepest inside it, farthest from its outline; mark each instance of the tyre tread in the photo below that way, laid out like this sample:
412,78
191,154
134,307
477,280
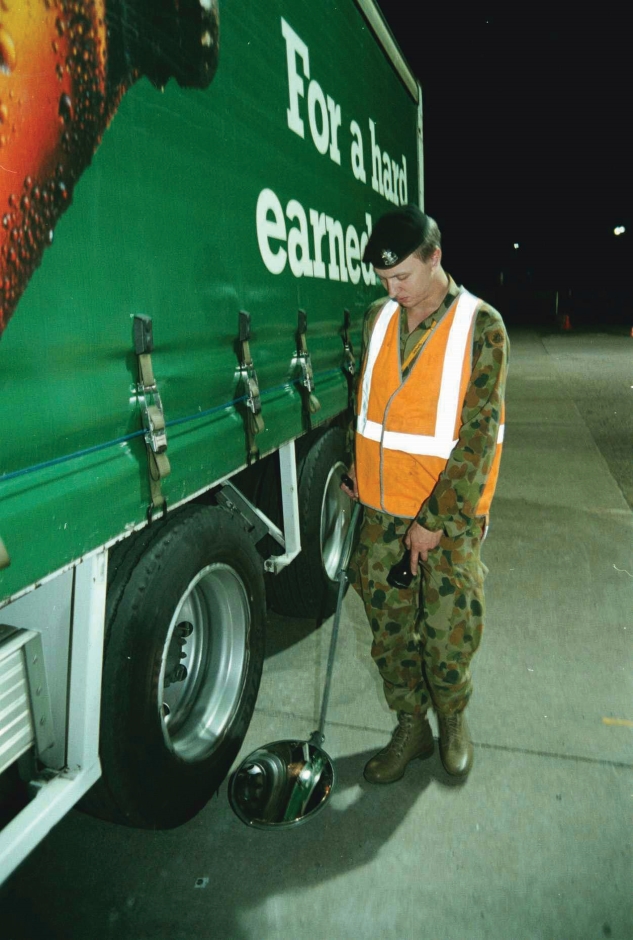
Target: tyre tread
113,797
302,589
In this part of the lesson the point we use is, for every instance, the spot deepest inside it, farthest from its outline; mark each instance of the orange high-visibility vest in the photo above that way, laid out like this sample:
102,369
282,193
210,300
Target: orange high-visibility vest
406,429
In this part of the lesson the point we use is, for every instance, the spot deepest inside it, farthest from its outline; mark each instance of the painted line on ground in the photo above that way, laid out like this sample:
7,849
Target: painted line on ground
577,758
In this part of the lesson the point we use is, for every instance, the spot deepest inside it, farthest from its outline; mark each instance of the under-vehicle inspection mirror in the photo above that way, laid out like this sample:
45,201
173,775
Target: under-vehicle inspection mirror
281,785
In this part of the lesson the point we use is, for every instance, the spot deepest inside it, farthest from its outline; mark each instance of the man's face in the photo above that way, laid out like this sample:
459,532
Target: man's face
410,282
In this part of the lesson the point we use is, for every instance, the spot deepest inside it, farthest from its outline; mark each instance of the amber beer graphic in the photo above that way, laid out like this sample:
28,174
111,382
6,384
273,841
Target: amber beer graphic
64,66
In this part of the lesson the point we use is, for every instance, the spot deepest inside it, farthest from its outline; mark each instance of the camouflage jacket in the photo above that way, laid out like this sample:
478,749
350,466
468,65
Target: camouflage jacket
451,505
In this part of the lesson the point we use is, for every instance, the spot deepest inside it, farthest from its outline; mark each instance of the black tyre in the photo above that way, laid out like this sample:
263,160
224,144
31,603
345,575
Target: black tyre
308,587
183,657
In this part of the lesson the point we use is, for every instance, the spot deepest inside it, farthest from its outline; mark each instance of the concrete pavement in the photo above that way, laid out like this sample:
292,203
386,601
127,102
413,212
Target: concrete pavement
535,845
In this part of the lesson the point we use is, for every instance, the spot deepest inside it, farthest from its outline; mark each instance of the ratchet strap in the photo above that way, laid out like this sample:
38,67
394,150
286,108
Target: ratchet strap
254,418
152,413
311,403
5,560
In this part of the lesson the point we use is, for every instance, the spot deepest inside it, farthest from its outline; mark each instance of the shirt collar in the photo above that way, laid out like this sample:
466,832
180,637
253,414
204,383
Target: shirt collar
442,310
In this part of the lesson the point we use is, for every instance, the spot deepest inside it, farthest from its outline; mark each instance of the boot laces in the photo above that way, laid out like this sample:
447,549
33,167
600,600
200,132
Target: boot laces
404,728
453,721
453,725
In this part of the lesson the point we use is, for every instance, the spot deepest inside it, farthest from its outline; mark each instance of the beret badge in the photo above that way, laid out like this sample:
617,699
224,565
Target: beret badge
395,236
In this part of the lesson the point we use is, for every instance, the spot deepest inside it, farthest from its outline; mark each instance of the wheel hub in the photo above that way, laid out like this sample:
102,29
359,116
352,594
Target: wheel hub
175,671
335,518
205,662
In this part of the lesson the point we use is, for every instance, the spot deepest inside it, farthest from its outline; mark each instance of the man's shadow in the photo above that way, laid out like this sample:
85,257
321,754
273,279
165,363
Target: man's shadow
79,882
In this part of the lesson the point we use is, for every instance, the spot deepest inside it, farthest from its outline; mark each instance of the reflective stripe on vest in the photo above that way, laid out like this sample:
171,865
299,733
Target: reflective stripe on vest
442,442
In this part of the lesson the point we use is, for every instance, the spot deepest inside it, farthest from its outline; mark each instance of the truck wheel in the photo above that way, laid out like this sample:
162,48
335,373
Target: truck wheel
183,659
308,587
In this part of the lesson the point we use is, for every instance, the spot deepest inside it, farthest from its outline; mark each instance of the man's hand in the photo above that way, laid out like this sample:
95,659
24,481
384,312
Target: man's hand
420,542
353,494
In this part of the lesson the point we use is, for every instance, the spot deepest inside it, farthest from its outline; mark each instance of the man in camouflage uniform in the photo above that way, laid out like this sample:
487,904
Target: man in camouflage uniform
425,636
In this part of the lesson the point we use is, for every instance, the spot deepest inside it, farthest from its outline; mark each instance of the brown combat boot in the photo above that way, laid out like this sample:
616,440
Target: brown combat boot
456,748
412,738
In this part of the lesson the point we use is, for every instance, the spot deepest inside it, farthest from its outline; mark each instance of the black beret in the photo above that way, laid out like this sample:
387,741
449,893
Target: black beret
395,235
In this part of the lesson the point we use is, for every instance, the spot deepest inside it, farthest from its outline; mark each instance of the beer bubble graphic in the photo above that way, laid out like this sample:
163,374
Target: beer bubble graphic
7,52
85,55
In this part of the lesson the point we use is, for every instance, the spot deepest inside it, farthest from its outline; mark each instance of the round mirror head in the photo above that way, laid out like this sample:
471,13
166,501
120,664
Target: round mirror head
281,784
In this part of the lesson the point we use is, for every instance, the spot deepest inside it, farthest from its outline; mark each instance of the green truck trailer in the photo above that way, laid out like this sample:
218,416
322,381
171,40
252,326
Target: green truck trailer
186,195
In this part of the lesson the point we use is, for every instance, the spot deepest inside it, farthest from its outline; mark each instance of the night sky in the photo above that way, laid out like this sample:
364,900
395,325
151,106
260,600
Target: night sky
528,139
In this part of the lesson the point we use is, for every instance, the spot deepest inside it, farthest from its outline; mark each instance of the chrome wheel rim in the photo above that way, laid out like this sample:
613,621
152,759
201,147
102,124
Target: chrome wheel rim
336,511
208,637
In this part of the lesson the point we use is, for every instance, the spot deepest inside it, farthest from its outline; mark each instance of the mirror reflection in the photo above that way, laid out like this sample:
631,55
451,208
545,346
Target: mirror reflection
281,784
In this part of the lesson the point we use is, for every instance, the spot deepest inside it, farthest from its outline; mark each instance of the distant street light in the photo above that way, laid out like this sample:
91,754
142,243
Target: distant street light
516,244
618,230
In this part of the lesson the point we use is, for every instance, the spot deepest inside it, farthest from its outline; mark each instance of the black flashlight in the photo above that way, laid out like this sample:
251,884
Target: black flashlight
400,574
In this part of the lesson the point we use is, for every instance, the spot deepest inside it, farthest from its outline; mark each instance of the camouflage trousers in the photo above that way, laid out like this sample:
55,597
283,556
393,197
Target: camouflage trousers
424,636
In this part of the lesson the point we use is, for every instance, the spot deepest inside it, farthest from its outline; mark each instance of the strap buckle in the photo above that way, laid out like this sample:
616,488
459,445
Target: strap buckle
152,414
